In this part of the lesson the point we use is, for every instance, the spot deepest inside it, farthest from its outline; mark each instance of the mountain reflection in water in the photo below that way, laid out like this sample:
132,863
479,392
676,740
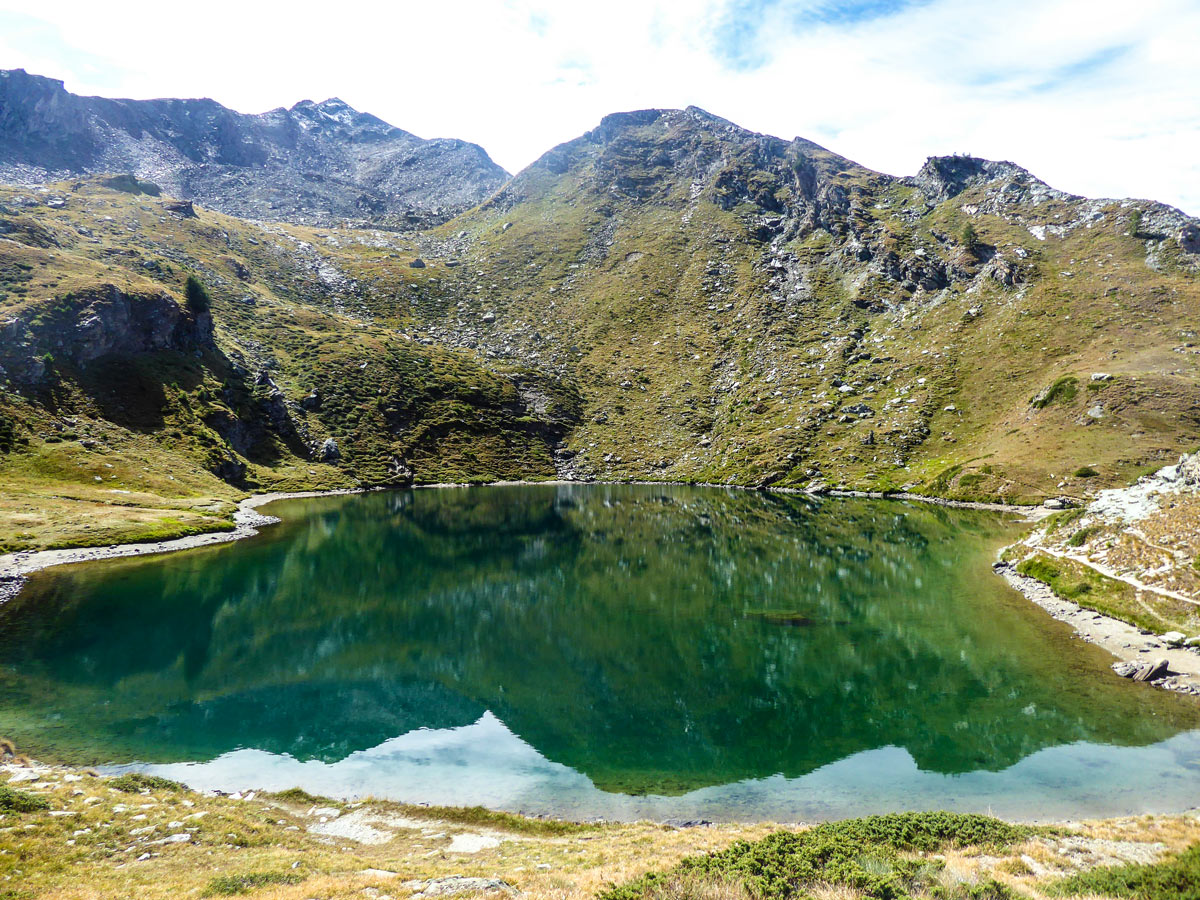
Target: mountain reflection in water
649,640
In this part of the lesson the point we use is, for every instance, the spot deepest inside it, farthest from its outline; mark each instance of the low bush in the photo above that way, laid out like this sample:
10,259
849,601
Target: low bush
869,856
1174,879
20,801
136,782
228,885
1063,390
1080,537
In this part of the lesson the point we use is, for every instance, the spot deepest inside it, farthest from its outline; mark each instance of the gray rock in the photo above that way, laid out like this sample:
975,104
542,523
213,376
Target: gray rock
1174,638
1152,671
181,208
417,263
458,884
328,451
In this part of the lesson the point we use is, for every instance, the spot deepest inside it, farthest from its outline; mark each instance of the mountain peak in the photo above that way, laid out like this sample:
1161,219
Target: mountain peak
312,163
943,177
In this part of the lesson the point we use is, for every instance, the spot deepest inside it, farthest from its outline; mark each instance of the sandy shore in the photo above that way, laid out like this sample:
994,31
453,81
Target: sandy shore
1126,642
14,567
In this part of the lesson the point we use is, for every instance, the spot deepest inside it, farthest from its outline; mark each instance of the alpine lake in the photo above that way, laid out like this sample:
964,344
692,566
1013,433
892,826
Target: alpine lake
590,651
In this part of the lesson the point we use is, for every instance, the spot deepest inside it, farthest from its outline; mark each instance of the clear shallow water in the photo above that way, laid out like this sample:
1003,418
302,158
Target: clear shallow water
595,651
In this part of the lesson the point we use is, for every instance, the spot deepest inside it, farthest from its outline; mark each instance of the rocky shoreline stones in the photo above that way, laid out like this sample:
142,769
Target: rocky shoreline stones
1119,638
1150,671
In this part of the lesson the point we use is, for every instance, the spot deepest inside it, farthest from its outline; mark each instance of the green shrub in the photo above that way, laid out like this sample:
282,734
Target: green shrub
1135,223
8,433
1174,879
20,801
136,782
1086,472
864,855
1080,537
1063,390
299,795
226,885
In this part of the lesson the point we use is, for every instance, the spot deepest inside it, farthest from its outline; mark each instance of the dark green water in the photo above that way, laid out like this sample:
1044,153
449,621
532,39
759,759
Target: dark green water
595,650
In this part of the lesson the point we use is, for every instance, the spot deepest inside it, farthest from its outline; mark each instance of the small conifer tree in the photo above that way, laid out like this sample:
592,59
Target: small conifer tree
196,295
969,238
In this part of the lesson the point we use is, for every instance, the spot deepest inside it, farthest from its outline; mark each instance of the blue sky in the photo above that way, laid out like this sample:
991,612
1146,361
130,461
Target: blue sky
1100,98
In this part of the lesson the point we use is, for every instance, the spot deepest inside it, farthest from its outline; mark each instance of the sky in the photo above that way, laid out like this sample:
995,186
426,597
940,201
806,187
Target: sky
1095,97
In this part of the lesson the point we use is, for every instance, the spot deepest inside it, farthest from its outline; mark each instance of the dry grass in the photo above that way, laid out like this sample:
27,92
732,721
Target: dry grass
93,848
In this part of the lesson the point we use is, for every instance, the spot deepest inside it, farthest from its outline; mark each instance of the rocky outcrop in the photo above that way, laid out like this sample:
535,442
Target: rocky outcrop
102,321
943,177
314,162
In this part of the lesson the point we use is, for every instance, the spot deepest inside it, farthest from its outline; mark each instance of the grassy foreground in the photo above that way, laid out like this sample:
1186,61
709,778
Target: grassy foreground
73,834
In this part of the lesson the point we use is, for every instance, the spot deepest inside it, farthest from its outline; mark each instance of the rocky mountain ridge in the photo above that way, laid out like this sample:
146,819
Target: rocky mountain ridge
312,163
667,297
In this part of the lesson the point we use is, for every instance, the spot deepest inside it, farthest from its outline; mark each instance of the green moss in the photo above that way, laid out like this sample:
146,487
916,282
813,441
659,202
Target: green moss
299,795
1058,520
488,818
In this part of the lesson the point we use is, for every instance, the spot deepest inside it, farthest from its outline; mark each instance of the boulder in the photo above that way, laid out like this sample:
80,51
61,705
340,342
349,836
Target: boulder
181,208
1174,638
399,471
1151,671
328,451
417,263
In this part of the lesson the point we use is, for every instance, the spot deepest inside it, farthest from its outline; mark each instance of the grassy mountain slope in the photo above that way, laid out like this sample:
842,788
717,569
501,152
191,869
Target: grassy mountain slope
114,429
667,297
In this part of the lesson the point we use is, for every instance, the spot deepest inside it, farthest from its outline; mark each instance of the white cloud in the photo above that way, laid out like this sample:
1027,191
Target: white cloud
1007,80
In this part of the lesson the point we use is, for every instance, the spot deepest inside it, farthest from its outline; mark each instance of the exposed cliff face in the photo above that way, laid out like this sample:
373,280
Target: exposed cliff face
82,327
315,162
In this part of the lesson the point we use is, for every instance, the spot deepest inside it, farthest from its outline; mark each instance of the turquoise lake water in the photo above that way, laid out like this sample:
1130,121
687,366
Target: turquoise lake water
595,651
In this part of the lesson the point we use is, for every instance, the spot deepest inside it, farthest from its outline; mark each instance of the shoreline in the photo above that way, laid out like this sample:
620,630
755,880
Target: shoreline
16,567
1127,643
1123,641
